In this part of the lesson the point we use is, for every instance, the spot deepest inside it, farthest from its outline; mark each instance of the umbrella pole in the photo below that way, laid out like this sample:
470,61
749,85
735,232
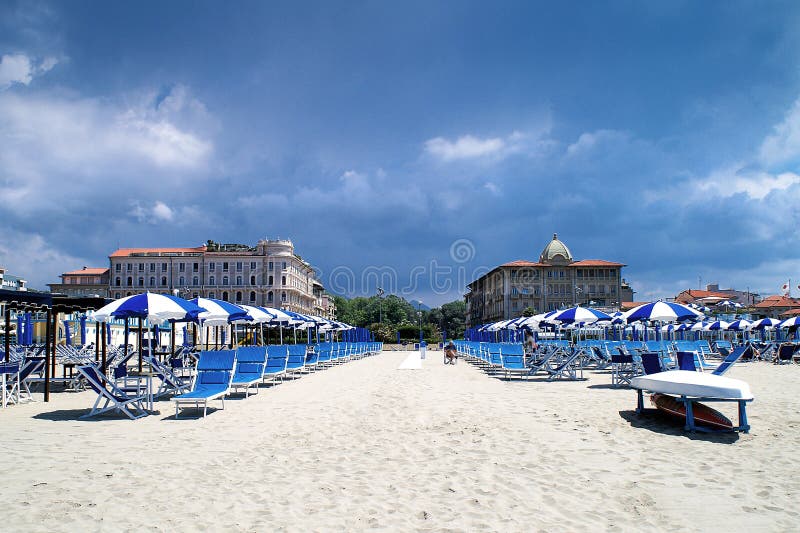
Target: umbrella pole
140,344
172,340
47,357
103,348
96,342
280,328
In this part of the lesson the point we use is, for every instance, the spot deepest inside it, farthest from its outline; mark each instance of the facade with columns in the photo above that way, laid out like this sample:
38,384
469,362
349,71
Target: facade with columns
269,274
555,281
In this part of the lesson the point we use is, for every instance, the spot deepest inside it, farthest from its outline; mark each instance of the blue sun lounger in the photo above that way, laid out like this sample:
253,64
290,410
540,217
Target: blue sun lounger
276,362
250,363
735,355
513,360
212,381
296,360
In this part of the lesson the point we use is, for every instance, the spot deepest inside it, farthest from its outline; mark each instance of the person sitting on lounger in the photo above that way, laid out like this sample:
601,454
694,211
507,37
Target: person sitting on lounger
450,354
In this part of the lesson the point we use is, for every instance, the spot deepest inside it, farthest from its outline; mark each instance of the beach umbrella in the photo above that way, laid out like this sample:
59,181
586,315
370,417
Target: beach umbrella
790,322
697,326
765,323
220,313
157,308
661,312
718,325
740,325
578,314
67,333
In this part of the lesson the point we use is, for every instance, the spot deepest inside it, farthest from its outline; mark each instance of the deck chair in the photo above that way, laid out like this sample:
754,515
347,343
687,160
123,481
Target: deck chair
567,368
250,363
276,362
623,369
296,360
651,363
785,354
212,381
32,366
112,397
686,361
10,391
312,358
513,360
171,383
738,353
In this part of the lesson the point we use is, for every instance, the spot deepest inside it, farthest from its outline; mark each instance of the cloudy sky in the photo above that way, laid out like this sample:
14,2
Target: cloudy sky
409,144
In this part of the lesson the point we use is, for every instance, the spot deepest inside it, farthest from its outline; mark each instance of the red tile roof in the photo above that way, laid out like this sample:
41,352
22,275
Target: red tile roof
596,263
777,301
627,306
127,252
791,312
87,272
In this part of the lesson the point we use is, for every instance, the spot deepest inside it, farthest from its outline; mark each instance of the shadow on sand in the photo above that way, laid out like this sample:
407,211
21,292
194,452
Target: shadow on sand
657,422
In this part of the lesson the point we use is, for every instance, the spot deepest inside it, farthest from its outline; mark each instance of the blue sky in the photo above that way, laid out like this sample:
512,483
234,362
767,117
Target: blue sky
414,143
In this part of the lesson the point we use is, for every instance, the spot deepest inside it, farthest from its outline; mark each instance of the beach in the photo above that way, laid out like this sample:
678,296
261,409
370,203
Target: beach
365,445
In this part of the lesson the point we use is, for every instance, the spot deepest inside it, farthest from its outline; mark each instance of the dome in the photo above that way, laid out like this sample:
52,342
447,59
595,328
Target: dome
555,252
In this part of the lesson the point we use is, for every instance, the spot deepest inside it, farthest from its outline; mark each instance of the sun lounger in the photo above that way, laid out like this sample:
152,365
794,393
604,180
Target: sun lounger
112,397
686,361
250,363
738,353
623,369
276,362
296,358
513,360
785,354
567,367
171,383
212,381
651,363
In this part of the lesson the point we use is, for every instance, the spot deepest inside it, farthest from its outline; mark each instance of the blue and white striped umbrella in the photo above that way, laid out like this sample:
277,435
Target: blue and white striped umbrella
661,312
765,323
789,322
587,315
698,326
220,312
718,325
156,308
258,314
728,303
740,325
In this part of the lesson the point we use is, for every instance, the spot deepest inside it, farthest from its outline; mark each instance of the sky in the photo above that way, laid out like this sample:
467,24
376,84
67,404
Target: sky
412,145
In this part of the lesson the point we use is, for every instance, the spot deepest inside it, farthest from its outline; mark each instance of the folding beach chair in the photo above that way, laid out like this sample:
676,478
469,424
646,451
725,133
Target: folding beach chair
112,397
686,361
623,369
171,383
513,360
651,363
568,367
33,366
785,354
738,353
276,362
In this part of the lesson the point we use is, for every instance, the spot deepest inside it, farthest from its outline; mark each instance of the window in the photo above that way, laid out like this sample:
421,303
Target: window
211,295
252,280
225,280
212,280
195,281
284,265
225,267
283,296
252,265
269,296
270,280
225,295
212,267
238,280
163,267
152,281
152,267
118,267
117,295
195,295
141,267
283,280
238,296
181,281
129,267
271,265
163,281
238,266
181,267
130,281
195,267
252,296
141,282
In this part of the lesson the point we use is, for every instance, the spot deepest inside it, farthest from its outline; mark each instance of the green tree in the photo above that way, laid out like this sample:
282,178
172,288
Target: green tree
528,311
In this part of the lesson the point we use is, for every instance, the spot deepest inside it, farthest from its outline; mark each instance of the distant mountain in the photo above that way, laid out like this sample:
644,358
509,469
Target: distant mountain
417,303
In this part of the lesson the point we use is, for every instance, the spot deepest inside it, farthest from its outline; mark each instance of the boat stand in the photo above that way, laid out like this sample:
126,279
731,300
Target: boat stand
743,426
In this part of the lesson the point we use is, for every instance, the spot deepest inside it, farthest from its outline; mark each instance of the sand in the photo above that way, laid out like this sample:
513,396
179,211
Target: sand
365,445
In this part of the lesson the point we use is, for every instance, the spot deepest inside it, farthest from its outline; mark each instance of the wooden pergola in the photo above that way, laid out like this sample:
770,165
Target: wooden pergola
51,305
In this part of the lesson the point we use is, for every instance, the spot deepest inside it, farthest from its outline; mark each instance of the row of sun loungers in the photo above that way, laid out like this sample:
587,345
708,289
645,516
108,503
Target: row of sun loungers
218,374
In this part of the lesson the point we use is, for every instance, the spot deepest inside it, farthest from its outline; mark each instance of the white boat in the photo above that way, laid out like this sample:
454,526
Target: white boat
694,385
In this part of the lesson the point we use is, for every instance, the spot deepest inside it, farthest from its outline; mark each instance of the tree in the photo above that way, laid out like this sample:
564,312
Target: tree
528,311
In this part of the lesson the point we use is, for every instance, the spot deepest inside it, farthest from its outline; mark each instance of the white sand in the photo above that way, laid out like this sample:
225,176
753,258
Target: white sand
445,448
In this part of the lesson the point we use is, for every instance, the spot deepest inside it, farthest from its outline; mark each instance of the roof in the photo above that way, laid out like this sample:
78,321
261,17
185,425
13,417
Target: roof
791,312
704,294
778,301
554,249
128,252
87,272
596,263
626,306
521,263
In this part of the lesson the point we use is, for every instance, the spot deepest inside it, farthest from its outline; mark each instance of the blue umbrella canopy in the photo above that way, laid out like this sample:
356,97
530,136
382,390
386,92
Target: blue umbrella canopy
765,323
586,315
740,325
157,308
661,312
220,312
789,322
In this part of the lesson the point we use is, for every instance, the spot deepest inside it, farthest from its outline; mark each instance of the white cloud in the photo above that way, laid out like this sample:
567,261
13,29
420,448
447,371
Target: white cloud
737,180
31,257
465,147
783,145
19,68
492,188
588,141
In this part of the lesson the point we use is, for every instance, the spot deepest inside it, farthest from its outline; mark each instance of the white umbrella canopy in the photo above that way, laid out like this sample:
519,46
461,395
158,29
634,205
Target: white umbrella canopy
765,323
789,322
156,308
582,315
661,312
220,313
717,325
740,325
258,314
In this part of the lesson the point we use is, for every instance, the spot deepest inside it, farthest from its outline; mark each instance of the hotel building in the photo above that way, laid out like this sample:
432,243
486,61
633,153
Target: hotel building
84,282
269,274
555,281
